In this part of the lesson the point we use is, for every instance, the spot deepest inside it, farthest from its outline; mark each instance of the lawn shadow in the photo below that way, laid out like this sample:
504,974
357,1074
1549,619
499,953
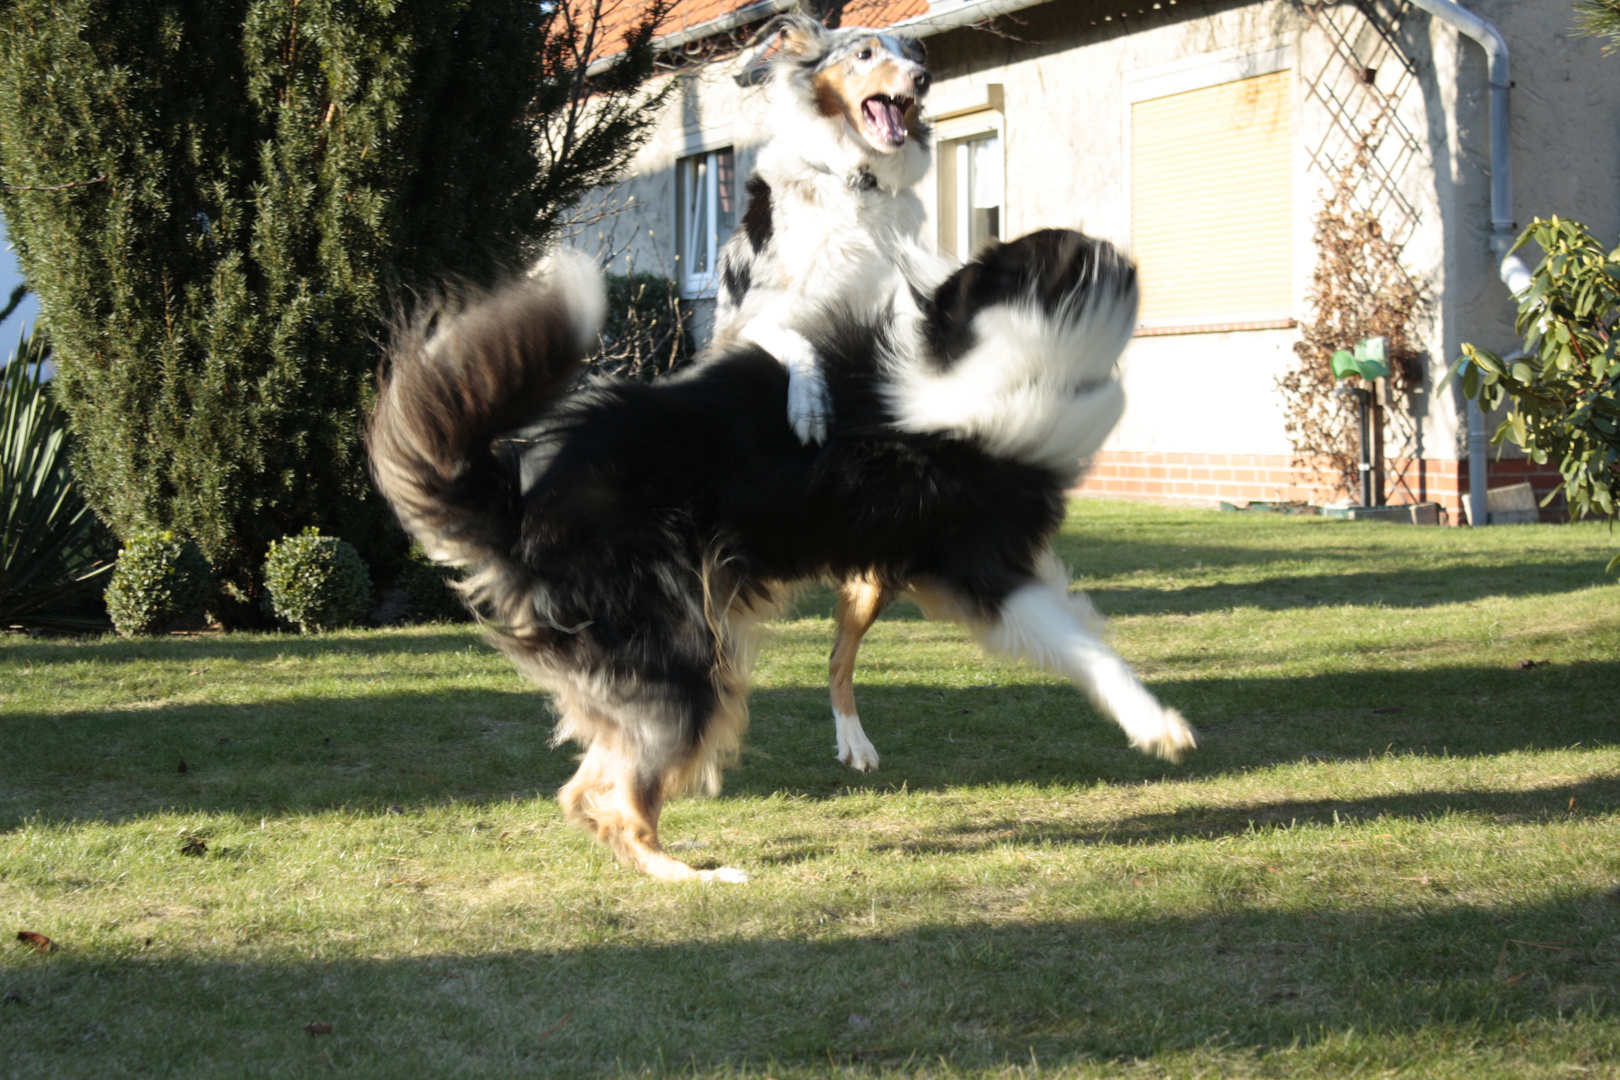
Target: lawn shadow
933,739
1361,986
306,755
246,647
1103,567
1554,802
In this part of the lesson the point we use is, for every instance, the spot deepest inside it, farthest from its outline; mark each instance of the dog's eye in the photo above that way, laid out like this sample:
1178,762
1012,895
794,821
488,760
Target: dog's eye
864,54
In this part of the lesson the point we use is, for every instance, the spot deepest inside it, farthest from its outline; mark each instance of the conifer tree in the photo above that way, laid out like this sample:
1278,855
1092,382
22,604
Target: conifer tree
219,200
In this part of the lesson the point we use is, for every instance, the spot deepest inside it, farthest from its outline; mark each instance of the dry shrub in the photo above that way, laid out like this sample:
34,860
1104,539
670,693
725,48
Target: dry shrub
1359,290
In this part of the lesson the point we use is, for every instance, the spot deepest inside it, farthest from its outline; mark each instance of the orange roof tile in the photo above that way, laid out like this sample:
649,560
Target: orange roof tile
617,16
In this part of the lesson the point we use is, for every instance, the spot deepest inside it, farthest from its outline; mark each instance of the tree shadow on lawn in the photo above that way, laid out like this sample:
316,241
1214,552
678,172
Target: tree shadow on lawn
246,647
1368,585
1561,801
1349,989
411,749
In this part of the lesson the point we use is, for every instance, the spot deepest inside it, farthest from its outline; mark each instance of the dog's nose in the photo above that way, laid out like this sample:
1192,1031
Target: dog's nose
921,80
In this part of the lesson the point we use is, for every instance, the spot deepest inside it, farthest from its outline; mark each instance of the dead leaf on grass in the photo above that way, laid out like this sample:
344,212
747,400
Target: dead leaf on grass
182,767
36,941
195,846
313,1030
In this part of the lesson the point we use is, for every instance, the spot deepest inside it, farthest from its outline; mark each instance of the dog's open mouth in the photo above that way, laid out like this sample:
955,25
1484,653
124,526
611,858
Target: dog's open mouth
885,119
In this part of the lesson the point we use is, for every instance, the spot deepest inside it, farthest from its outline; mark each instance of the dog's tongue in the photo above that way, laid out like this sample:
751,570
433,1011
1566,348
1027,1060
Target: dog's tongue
885,119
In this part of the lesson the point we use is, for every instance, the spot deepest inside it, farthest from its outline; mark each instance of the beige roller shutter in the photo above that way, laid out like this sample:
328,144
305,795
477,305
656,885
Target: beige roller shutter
1212,202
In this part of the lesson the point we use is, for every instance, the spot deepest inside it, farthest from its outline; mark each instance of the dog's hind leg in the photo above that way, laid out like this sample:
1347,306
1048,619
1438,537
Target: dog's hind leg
618,791
1041,622
608,800
860,600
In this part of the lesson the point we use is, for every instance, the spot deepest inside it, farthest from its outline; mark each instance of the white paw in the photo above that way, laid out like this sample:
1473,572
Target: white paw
1174,739
728,874
854,748
809,404
860,755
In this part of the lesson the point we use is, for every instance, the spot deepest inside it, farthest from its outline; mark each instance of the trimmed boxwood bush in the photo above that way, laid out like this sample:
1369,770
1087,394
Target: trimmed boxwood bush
159,578
317,582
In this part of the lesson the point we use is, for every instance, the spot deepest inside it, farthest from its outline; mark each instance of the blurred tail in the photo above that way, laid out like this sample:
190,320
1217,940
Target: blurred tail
452,382
1020,350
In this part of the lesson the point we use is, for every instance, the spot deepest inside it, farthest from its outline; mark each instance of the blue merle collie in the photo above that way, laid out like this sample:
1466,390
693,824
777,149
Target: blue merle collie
624,542
832,227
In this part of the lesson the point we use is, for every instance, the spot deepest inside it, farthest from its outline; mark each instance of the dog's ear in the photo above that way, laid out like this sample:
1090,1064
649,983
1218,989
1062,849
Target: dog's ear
912,48
800,36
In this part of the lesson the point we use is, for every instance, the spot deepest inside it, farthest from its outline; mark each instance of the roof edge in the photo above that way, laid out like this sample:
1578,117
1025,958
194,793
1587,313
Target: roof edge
935,22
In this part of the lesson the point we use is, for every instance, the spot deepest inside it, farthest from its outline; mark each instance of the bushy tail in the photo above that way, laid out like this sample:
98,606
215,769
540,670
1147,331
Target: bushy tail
1020,350
452,382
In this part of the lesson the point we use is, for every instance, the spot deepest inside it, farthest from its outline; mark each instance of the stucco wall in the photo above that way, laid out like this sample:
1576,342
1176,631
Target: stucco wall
1064,69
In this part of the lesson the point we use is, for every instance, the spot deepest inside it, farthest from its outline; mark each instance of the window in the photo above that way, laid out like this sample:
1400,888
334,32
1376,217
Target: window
972,190
706,187
1212,221
971,164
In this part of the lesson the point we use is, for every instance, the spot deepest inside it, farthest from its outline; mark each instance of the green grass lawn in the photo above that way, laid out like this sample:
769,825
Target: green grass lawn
1396,854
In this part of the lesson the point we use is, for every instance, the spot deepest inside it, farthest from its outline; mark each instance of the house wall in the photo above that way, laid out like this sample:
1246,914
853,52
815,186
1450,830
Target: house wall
1205,421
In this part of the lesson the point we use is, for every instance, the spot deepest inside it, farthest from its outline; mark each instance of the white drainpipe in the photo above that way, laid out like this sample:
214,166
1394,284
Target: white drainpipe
1503,229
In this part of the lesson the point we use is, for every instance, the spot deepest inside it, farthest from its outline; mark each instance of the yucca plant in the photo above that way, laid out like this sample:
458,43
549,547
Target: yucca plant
48,562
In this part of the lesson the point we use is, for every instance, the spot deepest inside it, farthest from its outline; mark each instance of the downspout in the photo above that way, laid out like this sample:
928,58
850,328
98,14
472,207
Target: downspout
1510,268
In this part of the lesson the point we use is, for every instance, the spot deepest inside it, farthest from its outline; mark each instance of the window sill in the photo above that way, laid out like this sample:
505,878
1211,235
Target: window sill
1216,327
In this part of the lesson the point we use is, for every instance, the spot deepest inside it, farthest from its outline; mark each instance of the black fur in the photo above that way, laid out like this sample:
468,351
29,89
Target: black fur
619,514
1048,266
757,216
737,278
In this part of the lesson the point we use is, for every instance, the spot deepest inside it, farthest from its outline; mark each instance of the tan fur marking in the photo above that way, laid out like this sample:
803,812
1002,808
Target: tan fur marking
831,100
860,601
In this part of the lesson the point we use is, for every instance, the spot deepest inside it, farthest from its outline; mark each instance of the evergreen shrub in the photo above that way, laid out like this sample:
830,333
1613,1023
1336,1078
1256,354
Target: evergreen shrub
317,582
219,202
159,578
428,584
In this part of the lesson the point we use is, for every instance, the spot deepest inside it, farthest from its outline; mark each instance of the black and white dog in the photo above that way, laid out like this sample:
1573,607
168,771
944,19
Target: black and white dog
624,542
832,229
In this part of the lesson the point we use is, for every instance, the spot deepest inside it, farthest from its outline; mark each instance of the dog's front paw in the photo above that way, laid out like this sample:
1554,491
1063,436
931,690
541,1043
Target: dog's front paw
809,403
1174,739
861,756
854,748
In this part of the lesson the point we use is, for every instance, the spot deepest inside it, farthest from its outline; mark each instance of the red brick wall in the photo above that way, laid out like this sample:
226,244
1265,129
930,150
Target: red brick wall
1241,478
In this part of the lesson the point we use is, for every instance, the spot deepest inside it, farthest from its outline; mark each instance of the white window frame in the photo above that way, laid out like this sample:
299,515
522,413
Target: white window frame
1201,73
705,148
959,119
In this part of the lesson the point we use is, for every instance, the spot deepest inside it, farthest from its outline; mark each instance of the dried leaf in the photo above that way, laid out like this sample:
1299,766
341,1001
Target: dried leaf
313,1030
37,941
195,846
182,767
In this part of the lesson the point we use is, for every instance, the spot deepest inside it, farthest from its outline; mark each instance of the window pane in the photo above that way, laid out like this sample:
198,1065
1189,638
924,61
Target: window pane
698,215
987,183
725,175
987,172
